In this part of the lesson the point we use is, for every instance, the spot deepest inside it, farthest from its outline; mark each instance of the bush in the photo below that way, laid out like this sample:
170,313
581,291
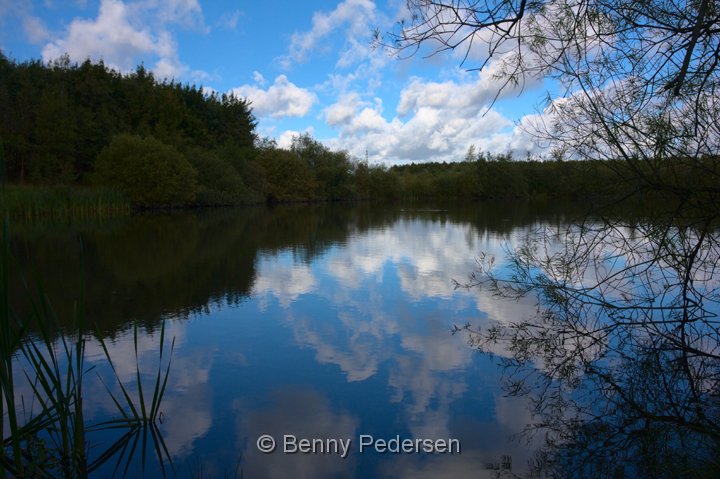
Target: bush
219,182
289,178
147,171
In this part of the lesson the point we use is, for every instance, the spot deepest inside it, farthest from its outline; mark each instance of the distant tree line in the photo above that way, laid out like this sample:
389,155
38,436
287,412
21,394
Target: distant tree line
483,175
158,142
162,143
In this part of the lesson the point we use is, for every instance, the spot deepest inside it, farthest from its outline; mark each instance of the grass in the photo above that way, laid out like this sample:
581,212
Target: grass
46,435
31,203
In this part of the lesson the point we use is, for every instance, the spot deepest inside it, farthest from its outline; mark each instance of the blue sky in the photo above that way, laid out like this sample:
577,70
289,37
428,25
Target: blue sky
306,67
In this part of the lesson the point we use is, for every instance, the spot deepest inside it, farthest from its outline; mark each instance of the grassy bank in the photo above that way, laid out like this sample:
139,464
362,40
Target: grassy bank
31,203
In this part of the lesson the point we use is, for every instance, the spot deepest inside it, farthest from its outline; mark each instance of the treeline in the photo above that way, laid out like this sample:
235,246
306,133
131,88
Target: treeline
162,143
158,142
486,176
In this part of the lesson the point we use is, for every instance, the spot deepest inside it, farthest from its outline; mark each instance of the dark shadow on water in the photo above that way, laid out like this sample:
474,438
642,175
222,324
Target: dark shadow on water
151,266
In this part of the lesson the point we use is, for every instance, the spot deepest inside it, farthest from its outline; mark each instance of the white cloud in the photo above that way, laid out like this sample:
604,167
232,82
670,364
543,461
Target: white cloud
169,68
286,137
183,12
343,110
126,34
259,79
435,121
209,91
282,98
353,16
110,37
368,120
464,98
35,30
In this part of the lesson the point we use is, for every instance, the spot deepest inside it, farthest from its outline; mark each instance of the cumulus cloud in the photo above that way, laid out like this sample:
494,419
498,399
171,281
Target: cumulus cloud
282,98
124,34
432,121
110,37
286,137
435,121
354,17
343,110
430,134
465,99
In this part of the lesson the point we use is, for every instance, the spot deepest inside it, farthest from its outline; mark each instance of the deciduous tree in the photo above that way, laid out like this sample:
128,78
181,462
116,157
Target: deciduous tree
623,355
148,171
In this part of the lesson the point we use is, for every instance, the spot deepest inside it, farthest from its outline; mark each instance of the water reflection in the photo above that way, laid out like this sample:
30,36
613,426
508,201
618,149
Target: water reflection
303,413
320,321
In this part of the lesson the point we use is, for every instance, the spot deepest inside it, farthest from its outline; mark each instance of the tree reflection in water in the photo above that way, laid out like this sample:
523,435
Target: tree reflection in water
622,358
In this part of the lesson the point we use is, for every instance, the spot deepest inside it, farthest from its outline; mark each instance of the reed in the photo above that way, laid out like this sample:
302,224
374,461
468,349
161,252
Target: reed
53,439
32,203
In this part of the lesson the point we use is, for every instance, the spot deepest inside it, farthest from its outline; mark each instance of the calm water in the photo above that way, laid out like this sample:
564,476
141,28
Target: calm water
318,322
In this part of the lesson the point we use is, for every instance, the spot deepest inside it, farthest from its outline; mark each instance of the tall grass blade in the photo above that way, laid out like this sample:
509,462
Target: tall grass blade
128,461
161,448
54,368
159,390
137,373
128,399
143,419
118,446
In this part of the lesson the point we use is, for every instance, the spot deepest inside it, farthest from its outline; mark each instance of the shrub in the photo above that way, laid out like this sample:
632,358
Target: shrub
147,171
289,178
219,182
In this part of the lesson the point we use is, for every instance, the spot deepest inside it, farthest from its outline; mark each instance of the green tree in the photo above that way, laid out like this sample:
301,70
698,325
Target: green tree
219,183
384,184
289,178
53,137
149,172
332,169
56,118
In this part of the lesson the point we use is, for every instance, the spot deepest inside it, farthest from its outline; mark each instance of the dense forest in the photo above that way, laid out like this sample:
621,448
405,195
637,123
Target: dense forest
79,127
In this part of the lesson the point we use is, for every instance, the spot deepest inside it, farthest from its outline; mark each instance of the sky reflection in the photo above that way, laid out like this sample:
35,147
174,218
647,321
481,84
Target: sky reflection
350,338
380,308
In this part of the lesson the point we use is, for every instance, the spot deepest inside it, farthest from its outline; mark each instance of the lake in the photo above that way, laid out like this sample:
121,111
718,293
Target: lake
328,328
